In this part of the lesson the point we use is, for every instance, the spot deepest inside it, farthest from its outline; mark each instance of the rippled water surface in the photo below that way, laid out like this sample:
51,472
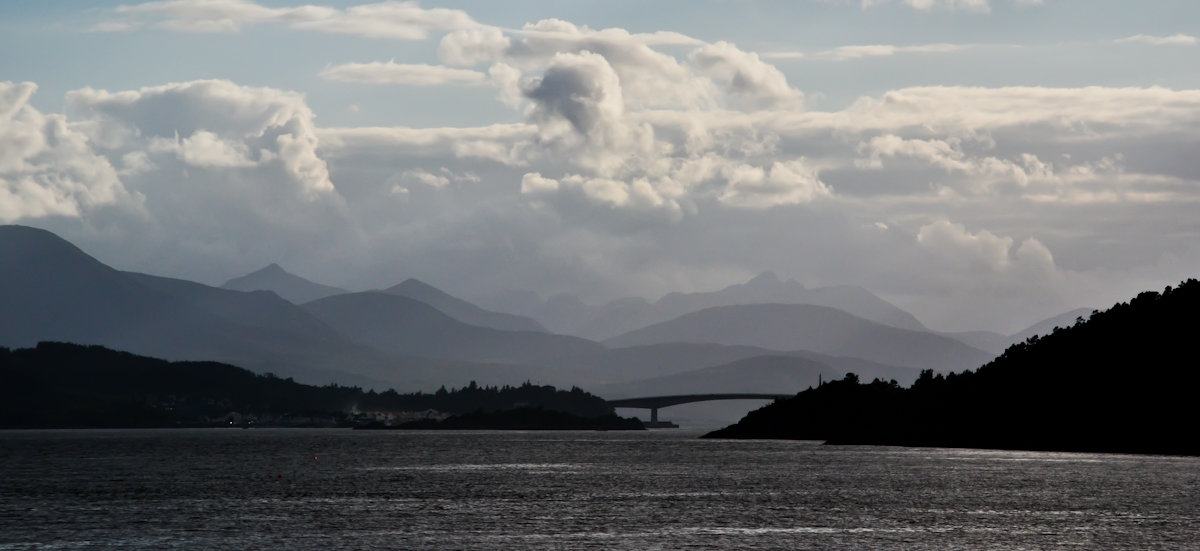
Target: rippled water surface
340,489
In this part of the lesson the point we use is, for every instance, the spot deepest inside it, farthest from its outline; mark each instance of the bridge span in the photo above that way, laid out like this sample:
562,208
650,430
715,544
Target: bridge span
654,402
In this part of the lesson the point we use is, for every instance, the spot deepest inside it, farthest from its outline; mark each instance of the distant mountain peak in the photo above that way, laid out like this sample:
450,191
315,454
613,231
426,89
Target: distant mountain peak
271,269
767,277
290,286
414,283
459,309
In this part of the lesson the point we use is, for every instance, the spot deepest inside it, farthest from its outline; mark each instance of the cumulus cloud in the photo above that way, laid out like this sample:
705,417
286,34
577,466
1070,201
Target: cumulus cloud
744,74
983,251
786,182
47,167
210,123
182,177
393,20
401,73
580,89
472,46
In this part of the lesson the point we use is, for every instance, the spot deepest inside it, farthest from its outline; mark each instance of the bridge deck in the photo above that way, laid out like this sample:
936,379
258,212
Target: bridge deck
655,402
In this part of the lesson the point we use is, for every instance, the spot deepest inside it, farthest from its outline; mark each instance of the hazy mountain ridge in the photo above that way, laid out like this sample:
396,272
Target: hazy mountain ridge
462,310
51,290
400,324
291,287
768,374
820,329
997,342
568,314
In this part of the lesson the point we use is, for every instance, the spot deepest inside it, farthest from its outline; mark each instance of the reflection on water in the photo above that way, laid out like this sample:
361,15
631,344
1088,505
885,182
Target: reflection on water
337,489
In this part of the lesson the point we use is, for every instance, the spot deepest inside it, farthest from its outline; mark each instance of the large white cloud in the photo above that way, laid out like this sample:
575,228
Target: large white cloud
168,176
48,167
212,123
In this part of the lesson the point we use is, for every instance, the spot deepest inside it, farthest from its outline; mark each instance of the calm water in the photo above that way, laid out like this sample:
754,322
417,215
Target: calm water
339,489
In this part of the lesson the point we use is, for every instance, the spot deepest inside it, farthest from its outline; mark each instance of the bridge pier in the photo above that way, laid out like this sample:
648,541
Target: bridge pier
654,415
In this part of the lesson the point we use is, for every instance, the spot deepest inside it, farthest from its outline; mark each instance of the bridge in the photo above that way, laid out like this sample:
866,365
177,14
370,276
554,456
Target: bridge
654,402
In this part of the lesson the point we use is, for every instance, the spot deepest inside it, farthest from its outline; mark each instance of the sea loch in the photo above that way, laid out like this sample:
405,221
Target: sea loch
309,489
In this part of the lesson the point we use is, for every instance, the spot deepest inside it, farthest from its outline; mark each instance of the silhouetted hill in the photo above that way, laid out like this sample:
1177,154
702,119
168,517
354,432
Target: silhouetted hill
784,327
1047,326
291,287
403,325
988,341
996,342
462,310
1119,382
69,385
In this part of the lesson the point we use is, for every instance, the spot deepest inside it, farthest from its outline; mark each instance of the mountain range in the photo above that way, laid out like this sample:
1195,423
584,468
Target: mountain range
414,336
568,314
816,328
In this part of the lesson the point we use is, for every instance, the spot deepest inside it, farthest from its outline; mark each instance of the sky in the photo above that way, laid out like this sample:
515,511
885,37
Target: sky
981,163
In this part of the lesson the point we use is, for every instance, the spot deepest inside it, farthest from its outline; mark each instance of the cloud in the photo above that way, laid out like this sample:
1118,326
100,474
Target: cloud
441,179
472,46
983,252
211,123
744,74
580,89
979,6
405,74
390,20
185,177
631,163
786,182
47,167
205,149
976,6
844,53
1172,40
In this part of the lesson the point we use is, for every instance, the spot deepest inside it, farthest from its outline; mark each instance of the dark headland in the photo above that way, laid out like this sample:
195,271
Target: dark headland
62,385
1124,381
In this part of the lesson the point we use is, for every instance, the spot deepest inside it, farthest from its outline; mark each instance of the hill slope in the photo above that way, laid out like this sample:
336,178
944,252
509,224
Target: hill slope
1118,382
